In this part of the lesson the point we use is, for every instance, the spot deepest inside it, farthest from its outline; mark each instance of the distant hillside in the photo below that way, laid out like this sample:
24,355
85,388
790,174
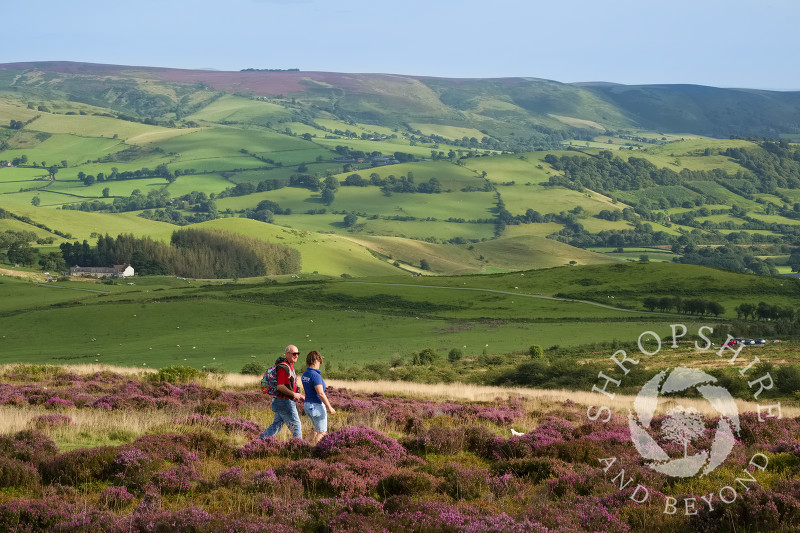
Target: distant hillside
509,109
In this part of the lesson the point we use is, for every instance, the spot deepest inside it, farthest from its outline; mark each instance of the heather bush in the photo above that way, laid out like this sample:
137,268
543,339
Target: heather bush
535,469
18,474
232,477
175,480
758,509
59,403
263,481
464,483
206,444
212,407
363,442
51,421
116,498
34,515
133,467
407,482
322,479
28,445
439,440
79,466
260,448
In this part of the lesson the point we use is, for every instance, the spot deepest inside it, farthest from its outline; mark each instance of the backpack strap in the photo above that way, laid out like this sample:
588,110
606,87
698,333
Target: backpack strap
281,362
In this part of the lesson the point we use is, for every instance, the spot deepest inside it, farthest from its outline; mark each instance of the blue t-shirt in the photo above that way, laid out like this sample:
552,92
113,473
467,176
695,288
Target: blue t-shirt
311,378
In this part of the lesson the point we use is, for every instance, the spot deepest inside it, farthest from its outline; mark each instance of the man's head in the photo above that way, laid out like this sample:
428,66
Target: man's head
291,353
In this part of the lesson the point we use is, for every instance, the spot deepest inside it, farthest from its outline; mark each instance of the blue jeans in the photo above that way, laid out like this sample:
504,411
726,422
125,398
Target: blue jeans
285,413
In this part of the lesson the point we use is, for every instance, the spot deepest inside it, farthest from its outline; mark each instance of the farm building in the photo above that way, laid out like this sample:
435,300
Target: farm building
116,271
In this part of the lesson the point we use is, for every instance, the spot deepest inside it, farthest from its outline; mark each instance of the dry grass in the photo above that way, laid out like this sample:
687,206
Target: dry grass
89,421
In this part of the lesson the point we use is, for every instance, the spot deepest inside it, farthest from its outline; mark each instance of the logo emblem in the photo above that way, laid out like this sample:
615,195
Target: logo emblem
682,426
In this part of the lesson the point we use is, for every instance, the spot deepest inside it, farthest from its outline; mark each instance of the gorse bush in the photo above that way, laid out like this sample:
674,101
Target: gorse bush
253,369
177,374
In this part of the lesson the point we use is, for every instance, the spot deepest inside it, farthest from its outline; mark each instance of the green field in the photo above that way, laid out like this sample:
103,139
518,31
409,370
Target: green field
160,321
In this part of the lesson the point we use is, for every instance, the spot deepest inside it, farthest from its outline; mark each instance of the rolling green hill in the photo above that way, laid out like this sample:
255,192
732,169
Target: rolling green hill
379,174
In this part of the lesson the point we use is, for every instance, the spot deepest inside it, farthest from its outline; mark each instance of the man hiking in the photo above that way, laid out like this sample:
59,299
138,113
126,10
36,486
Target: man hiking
283,405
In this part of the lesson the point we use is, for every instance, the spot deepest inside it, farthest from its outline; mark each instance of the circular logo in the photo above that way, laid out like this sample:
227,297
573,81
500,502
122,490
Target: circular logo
683,426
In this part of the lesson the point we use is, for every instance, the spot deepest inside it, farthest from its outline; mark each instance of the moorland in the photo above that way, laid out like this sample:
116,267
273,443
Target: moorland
517,234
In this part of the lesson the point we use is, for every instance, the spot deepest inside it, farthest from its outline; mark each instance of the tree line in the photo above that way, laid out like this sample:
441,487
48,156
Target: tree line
191,253
694,306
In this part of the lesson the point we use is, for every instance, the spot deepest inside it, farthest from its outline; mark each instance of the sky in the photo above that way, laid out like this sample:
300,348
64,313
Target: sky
722,43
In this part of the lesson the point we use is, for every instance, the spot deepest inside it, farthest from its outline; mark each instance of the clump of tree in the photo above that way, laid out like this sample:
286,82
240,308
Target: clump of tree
764,311
191,253
694,306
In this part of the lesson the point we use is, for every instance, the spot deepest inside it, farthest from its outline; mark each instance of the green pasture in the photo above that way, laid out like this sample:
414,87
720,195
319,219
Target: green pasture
774,219
150,324
370,200
328,222
20,174
518,198
329,255
230,108
448,132
11,224
712,188
452,177
229,142
13,109
297,199
116,188
596,225
300,128
207,183
386,146
216,164
522,168
81,224
419,229
71,148
532,252
332,124
12,187
94,126
294,156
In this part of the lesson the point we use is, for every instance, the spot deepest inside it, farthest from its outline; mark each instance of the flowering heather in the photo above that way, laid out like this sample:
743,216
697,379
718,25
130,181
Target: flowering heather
232,477
361,441
29,445
175,480
115,498
51,421
261,448
322,479
263,481
59,403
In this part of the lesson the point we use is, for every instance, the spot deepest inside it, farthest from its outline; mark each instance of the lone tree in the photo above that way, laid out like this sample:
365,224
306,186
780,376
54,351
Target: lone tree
350,220
424,265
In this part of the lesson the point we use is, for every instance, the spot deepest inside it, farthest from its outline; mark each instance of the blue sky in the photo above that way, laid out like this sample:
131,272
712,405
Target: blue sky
723,43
